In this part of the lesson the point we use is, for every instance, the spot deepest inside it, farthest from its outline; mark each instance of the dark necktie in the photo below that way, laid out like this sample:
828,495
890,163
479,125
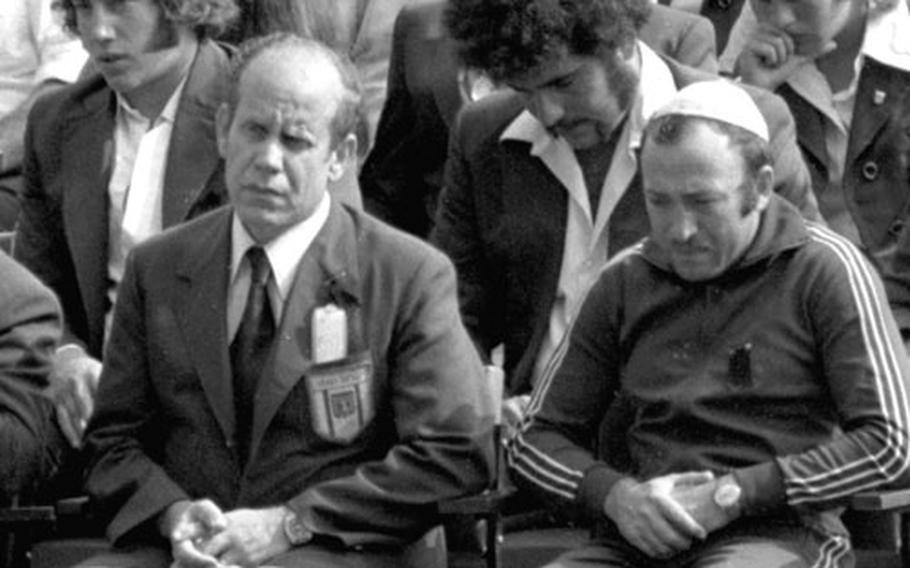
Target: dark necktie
250,347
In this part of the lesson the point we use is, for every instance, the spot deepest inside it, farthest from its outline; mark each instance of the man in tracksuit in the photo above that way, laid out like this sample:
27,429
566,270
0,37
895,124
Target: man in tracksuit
753,373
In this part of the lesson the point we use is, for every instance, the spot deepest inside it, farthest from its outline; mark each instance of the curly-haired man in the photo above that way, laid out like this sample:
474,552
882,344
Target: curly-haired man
542,183
115,159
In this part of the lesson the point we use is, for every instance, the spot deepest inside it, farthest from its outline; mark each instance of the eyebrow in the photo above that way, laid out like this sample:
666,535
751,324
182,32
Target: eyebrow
548,83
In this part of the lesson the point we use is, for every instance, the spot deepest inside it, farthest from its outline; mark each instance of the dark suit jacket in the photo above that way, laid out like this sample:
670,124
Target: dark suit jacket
164,425
402,176
503,214
63,232
30,324
876,181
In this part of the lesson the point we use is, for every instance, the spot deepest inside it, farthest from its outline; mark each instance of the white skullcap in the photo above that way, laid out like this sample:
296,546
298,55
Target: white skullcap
720,100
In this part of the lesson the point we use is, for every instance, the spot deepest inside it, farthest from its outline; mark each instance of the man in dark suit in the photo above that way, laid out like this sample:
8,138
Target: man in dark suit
116,158
30,323
350,400
542,185
402,176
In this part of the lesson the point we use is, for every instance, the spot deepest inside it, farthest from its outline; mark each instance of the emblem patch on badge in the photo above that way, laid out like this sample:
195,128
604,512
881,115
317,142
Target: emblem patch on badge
341,401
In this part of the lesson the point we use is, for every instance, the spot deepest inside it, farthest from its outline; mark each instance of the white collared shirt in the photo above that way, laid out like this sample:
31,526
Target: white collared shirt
284,254
586,246
136,187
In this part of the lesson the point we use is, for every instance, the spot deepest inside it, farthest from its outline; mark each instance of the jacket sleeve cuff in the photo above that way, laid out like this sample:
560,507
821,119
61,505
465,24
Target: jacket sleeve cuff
599,479
763,488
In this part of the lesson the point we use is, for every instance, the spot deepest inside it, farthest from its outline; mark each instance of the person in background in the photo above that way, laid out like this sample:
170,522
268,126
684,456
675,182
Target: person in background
361,29
757,371
843,66
115,159
310,356
402,177
36,57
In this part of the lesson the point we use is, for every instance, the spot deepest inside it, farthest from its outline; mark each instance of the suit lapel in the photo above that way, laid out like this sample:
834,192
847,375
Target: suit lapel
810,128
880,89
88,151
193,153
202,301
327,268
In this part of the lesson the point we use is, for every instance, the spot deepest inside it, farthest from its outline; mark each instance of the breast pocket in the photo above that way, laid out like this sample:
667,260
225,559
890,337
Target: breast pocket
341,397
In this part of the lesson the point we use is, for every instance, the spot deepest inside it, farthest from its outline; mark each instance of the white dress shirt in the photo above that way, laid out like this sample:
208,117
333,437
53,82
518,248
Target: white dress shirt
284,254
586,244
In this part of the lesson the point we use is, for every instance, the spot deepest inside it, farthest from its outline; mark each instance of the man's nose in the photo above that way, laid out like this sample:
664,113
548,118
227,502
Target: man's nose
100,26
777,14
269,156
546,107
683,226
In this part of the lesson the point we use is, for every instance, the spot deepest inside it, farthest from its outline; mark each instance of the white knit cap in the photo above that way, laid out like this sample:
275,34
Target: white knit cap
720,100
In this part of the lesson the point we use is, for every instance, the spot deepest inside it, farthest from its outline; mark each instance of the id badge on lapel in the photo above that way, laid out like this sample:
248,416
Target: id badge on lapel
341,397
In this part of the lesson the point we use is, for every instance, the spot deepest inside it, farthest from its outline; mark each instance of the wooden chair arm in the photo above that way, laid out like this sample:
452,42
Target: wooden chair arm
72,507
892,500
16,516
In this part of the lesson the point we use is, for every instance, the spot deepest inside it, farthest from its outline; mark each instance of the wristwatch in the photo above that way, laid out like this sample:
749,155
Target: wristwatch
297,534
728,493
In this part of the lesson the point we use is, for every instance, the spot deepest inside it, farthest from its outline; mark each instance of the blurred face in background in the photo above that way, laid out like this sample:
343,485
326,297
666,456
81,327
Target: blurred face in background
811,24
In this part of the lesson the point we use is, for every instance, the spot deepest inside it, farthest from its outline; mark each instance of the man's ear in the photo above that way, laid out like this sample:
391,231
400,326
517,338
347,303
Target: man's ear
343,156
222,128
764,186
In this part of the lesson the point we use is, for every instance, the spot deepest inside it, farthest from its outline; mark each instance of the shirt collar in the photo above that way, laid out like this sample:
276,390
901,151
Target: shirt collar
656,87
285,251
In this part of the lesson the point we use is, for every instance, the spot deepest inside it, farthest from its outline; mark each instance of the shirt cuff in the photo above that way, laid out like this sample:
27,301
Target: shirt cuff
763,488
594,488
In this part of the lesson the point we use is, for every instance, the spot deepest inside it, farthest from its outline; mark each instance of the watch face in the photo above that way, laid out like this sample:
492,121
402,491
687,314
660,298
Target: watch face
727,495
295,531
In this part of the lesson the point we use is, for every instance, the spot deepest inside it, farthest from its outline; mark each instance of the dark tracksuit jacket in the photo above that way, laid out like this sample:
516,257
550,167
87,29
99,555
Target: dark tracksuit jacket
752,372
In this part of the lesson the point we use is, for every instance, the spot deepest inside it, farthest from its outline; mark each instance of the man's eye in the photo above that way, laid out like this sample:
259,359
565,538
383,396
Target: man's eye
296,143
256,131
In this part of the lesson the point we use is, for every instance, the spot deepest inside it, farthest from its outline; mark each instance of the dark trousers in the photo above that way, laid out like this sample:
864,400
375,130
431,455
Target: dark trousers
745,544
428,552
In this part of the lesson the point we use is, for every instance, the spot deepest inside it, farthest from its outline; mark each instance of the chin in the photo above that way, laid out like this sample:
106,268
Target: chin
686,272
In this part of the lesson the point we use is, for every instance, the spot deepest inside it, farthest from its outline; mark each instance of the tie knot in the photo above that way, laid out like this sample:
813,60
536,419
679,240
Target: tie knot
259,263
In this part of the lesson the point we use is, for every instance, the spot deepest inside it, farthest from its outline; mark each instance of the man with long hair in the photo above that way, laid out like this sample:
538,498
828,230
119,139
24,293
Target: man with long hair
115,159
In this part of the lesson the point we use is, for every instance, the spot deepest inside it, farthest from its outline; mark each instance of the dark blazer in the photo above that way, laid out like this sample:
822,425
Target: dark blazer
30,326
876,181
402,176
63,231
503,214
164,425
